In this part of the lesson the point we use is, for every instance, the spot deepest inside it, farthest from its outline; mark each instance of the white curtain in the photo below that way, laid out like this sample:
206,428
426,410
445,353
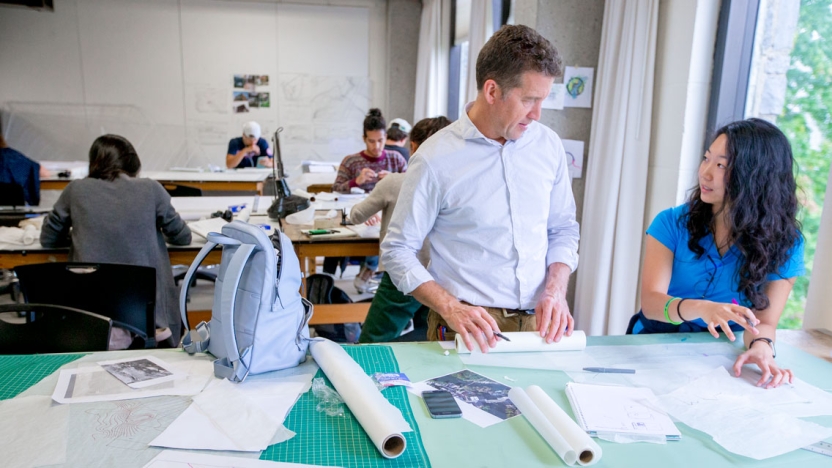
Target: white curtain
614,204
432,60
482,28
818,313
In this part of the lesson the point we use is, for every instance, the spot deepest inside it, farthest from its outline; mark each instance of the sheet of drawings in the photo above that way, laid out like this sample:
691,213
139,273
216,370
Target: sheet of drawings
322,116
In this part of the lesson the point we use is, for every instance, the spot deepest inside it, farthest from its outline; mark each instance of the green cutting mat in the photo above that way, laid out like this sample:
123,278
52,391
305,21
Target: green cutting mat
17,373
340,441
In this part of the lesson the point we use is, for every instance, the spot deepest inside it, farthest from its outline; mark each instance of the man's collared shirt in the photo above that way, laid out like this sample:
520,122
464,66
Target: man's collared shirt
495,216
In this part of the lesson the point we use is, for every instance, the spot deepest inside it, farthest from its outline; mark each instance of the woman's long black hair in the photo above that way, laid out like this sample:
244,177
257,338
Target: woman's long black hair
761,204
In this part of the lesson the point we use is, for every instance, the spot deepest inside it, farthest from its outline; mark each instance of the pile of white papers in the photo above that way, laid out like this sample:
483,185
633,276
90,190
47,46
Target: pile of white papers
245,417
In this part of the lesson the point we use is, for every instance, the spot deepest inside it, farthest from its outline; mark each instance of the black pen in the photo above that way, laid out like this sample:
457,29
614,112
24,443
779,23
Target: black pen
501,336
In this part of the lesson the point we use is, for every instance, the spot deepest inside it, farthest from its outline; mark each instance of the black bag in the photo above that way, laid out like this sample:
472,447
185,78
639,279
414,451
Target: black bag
321,289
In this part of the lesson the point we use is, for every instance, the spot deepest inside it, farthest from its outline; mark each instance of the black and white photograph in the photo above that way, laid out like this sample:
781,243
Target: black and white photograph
479,391
140,372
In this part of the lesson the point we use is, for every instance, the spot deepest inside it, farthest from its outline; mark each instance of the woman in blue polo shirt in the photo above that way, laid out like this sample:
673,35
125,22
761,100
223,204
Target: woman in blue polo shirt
728,258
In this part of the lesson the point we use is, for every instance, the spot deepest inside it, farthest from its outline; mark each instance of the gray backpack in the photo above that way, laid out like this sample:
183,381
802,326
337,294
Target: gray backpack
259,319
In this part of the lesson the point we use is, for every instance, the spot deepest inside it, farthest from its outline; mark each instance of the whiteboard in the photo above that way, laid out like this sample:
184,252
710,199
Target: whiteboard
160,72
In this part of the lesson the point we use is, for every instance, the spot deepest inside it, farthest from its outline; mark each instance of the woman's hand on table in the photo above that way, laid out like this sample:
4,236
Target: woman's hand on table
761,354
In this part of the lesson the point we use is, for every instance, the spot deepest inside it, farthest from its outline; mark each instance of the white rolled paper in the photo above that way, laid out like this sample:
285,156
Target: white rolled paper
528,342
566,438
382,421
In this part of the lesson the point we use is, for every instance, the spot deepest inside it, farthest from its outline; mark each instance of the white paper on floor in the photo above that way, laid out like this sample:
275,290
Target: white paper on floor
743,418
240,417
33,432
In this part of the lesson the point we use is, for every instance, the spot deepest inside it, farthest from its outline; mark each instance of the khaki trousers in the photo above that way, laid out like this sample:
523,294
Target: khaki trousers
508,320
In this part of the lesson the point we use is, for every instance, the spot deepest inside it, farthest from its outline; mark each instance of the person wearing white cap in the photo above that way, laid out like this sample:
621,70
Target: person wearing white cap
397,137
248,150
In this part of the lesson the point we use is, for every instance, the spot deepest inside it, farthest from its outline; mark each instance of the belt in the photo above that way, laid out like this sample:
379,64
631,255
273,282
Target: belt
515,312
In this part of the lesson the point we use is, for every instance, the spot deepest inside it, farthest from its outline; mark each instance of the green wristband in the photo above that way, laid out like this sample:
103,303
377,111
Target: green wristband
666,315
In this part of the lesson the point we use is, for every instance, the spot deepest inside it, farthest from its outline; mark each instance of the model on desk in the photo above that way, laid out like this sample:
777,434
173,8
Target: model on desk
118,218
492,194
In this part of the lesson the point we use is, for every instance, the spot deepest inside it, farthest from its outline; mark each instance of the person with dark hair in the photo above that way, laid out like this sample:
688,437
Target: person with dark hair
366,168
118,218
249,150
392,312
492,194
397,137
727,259
16,168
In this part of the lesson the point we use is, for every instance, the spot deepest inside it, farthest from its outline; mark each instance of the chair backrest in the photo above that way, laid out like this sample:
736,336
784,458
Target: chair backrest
175,190
52,329
11,194
124,293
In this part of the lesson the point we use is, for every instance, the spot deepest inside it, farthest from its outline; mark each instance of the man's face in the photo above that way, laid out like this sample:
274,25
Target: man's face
374,139
248,140
513,110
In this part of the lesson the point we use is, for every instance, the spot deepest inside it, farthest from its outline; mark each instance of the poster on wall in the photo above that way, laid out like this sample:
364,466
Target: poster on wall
574,157
246,95
578,85
555,98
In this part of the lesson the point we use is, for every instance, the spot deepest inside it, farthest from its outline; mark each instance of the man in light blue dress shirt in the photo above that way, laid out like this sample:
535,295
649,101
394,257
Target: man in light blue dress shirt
493,196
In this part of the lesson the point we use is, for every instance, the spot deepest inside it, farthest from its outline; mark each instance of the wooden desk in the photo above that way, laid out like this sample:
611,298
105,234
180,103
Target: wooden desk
178,256
250,181
238,181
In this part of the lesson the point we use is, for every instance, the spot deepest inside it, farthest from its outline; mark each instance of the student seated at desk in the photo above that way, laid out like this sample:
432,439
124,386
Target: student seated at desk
397,137
728,258
15,168
248,150
364,170
118,218
391,311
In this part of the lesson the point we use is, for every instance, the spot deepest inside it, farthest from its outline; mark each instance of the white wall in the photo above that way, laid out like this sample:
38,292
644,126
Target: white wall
160,73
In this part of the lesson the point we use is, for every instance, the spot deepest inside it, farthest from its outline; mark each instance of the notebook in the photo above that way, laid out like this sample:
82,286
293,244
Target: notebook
621,410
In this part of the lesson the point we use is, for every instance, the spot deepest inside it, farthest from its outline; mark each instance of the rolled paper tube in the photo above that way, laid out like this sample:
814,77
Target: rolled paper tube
587,450
542,425
382,421
527,342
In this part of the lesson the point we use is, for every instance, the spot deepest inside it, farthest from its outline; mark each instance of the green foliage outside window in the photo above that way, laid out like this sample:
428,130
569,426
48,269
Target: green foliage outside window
807,122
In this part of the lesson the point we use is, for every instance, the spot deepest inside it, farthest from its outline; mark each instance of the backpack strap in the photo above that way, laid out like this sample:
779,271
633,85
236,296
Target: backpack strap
232,367
188,343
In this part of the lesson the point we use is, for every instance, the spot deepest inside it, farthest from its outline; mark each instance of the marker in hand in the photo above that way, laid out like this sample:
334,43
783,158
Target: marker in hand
734,301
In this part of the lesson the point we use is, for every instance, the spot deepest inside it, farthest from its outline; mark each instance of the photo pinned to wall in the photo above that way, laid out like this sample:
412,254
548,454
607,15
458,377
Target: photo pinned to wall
555,98
574,157
578,86
250,97
241,102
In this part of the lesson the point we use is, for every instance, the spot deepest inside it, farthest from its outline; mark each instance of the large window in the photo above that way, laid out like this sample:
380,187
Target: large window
789,84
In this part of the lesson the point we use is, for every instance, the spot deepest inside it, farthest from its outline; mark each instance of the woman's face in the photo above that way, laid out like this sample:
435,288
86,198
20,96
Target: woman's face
712,172
374,139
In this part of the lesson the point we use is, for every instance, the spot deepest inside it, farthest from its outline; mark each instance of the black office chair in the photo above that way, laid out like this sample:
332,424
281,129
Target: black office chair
51,329
124,293
11,194
175,190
